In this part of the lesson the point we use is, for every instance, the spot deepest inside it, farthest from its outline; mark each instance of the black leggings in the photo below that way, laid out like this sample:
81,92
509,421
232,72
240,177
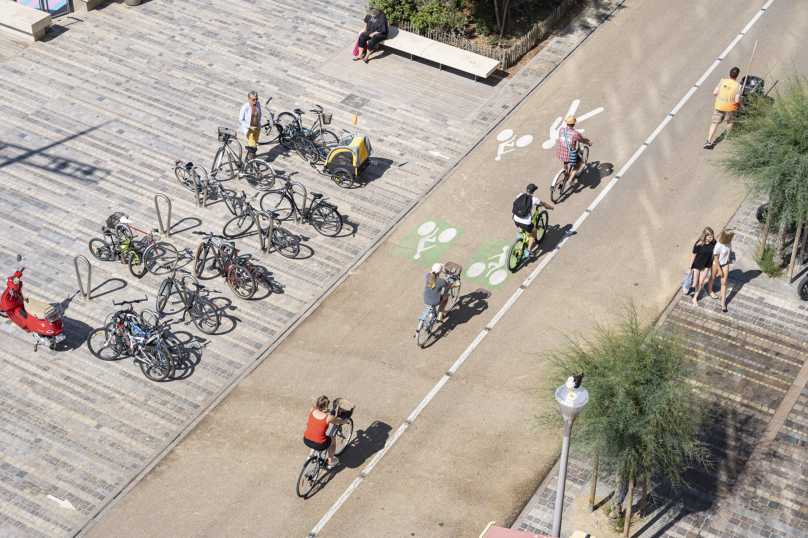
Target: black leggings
370,42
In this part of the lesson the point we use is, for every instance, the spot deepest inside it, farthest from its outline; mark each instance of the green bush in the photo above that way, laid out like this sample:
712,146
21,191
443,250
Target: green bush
439,15
767,264
396,11
484,17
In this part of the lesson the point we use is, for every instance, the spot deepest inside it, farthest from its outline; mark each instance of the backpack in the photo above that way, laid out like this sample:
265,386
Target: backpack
522,205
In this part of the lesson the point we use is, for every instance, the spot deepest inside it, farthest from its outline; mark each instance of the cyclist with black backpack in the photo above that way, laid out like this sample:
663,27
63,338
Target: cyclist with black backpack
524,207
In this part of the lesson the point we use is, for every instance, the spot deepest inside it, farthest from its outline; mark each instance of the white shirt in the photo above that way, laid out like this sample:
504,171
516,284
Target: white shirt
722,251
245,116
529,218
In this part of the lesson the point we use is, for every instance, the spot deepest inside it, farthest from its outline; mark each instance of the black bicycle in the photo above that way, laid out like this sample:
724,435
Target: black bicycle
322,215
203,312
341,433
224,261
286,243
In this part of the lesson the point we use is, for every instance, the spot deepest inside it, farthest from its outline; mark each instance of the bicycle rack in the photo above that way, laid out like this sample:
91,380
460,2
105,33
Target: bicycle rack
265,240
165,231
89,276
196,186
185,288
299,215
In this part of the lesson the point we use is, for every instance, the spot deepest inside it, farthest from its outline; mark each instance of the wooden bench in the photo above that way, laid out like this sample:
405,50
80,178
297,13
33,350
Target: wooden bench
440,53
23,21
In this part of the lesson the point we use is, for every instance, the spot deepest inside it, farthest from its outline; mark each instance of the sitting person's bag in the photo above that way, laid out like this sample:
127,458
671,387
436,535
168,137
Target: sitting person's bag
522,205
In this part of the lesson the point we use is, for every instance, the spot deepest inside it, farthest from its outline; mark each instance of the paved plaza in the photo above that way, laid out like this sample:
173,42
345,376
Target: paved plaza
93,118
753,367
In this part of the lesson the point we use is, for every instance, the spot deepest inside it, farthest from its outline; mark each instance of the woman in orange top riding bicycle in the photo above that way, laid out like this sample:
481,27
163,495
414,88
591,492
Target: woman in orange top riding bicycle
315,436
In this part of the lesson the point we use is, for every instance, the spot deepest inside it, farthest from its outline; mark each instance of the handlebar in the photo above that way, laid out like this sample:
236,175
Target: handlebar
268,100
210,234
145,298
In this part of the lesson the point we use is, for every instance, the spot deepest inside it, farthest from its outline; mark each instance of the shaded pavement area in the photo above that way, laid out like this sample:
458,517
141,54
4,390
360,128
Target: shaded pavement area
752,366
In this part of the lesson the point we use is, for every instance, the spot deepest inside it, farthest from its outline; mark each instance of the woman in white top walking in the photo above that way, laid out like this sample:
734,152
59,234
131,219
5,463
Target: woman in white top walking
721,254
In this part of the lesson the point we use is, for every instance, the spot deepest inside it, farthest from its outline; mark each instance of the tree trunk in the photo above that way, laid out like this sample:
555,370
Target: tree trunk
644,494
594,484
794,253
496,12
765,232
506,10
779,243
629,501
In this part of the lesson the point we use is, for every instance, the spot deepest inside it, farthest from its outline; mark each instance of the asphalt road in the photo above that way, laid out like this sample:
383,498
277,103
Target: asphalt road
475,454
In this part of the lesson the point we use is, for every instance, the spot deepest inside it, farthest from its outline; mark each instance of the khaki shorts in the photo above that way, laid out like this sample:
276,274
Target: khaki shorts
252,137
721,115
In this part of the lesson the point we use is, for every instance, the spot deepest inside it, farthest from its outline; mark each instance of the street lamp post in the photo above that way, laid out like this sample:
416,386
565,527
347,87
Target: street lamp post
571,398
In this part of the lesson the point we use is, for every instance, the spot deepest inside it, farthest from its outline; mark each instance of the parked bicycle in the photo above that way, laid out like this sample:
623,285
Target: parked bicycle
145,255
257,172
319,461
203,311
560,184
428,318
126,332
223,258
312,144
286,243
516,256
322,215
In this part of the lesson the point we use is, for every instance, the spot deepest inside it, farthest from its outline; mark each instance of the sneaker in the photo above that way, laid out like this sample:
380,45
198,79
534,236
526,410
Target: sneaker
334,464
440,316
708,145
526,255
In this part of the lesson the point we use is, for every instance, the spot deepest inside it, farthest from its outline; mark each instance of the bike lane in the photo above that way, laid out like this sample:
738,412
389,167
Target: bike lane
473,454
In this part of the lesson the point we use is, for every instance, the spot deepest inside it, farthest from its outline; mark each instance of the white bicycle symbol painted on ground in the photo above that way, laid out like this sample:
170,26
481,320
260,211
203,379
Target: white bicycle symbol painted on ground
496,272
557,123
430,233
504,136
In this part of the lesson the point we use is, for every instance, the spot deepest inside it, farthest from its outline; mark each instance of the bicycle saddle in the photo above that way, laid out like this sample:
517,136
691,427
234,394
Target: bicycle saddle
299,112
316,196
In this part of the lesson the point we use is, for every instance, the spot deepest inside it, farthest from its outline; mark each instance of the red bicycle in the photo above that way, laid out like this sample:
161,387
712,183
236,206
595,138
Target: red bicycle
146,254
224,261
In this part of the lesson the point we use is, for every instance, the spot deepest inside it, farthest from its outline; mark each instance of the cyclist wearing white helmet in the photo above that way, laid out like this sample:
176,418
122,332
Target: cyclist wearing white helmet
435,291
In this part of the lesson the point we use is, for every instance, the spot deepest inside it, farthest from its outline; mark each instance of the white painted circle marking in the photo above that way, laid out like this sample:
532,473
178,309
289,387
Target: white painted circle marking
447,235
548,144
505,135
498,277
476,269
426,228
524,141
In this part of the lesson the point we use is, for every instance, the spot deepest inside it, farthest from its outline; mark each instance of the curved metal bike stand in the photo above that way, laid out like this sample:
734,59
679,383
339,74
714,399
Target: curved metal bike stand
299,215
89,276
185,288
196,176
165,231
266,239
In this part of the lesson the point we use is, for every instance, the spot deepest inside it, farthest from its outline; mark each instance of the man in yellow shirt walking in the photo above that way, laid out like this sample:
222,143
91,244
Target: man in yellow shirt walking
727,96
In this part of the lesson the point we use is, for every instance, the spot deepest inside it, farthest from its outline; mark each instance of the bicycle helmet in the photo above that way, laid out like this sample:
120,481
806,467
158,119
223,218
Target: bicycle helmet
437,268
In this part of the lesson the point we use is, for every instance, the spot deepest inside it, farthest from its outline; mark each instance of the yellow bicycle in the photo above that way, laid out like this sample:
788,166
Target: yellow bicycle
516,257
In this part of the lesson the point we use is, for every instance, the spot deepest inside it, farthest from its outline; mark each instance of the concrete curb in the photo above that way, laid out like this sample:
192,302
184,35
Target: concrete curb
113,499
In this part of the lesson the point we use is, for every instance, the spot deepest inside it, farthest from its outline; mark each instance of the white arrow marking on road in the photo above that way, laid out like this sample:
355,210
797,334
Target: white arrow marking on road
379,455
60,502
436,154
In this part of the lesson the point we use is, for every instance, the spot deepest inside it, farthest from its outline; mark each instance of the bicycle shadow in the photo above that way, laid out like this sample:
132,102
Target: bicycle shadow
227,322
364,445
551,238
118,280
469,306
590,177
349,228
190,347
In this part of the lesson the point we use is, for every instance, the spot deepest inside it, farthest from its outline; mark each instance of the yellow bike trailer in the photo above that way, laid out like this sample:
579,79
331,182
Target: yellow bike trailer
349,159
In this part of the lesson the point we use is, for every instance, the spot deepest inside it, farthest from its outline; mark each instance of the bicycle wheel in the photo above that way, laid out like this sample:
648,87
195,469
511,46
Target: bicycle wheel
259,174
278,203
425,329
104,343
343,178
271,132
185,178
516,252
584,156
454,295
201,259
241,281
288,122
285,243
327,139
306,149
101,250
802,289
308,476
557,186
160,258
163,294
206,315
238,226
343,436
136,265
326,220
155,363
541,226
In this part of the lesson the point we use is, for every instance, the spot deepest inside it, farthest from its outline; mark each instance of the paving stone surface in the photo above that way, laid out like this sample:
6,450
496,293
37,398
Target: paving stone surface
747,360
93,118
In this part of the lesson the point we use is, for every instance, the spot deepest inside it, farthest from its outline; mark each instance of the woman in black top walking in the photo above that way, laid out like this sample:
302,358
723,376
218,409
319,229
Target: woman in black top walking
375,31
701,262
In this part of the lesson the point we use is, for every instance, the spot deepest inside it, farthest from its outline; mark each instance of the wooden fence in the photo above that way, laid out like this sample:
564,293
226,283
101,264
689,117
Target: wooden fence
510,56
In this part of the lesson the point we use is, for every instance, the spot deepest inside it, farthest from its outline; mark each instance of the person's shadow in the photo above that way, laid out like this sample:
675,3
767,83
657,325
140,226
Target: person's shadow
470,305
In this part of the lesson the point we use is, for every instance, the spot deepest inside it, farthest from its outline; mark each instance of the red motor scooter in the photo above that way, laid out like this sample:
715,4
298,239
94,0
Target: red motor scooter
42,320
